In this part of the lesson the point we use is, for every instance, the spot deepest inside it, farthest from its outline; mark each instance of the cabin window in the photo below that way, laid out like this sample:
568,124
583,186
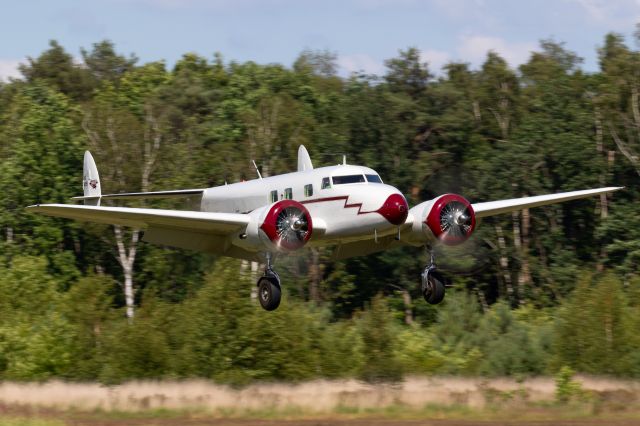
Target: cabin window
288,194
326,183
273,196
342,180
308,190
373,178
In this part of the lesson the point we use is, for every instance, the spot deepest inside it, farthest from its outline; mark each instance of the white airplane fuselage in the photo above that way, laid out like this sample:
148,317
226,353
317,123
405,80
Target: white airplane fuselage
349,202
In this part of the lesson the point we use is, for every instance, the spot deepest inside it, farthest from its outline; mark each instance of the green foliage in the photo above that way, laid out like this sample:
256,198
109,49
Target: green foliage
566,387
596,329
139,350
34,337
222,334
378,341
524,304
87,308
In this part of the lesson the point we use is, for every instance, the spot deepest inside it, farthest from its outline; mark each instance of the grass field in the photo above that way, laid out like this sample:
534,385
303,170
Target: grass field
416,401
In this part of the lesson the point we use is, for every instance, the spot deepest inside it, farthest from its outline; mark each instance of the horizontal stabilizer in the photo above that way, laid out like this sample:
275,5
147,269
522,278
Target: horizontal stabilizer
147,195
505,206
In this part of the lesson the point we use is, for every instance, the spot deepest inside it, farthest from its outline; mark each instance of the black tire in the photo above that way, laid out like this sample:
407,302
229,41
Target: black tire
434,289
269,293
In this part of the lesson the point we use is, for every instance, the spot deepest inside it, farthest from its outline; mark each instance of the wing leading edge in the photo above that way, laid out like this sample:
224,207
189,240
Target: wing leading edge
212,223
492,208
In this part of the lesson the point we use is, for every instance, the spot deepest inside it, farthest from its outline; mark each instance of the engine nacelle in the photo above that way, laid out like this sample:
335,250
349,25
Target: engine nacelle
448,218
284,226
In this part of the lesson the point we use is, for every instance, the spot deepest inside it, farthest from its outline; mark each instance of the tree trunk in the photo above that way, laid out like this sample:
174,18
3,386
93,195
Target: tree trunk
626,150
314,275
521,244
525,270
152,144
600,152
126,259
504,263
408,311
482,299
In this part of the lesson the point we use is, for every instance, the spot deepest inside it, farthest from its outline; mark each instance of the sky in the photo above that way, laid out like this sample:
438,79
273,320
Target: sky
362,33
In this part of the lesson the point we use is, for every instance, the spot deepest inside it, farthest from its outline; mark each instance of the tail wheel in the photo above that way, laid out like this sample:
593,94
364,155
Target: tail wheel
269,293
432,288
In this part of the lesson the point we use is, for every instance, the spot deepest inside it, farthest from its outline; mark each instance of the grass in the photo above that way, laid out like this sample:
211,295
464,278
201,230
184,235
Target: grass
546,411
29,421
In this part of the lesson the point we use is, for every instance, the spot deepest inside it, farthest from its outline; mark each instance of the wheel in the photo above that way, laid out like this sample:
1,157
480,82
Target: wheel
269,293
433,291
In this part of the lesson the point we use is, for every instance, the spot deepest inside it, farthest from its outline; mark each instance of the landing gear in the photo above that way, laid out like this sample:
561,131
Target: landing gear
432,285
269,292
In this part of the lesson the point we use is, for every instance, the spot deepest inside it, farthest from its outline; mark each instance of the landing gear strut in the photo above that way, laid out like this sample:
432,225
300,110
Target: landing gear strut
269,287
432,285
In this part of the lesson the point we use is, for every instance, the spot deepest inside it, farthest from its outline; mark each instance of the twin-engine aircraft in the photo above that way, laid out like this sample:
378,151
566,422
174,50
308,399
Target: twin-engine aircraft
345,206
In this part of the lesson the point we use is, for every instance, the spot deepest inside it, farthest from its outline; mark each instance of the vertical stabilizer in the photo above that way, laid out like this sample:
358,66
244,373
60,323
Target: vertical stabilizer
304,161
91,181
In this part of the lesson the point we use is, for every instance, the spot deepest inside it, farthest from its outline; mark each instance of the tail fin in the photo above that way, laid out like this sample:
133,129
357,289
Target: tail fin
91,181
304,161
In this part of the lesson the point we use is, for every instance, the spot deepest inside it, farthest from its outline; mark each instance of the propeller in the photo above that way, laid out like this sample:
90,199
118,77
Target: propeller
451,219
287,224
292,226
455,220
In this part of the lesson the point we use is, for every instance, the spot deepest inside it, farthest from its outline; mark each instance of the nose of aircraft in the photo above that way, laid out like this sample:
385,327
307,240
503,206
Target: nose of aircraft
395,209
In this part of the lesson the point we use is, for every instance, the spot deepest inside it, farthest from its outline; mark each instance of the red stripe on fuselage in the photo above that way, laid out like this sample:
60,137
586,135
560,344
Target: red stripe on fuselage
395,209
342,197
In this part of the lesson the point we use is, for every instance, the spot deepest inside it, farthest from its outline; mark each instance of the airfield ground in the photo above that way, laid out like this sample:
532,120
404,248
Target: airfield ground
66,420
432,401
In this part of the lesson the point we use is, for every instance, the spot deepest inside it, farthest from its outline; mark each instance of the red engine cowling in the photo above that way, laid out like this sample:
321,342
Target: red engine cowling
288,225
451,219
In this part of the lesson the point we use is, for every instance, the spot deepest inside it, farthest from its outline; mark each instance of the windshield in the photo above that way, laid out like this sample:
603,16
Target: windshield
341,180
373,178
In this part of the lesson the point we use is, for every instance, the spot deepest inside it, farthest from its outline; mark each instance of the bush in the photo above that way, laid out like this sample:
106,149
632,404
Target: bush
379,340
566,387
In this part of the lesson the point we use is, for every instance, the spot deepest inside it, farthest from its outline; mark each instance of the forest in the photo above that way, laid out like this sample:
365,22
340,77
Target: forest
533,292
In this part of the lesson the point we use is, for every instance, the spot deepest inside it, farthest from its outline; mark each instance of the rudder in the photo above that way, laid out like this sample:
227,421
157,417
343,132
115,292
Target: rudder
91,181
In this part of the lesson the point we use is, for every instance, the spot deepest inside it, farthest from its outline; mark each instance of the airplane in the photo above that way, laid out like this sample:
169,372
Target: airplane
345,206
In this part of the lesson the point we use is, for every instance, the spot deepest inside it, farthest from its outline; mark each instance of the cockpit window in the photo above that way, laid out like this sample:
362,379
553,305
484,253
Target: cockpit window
341,180
373,178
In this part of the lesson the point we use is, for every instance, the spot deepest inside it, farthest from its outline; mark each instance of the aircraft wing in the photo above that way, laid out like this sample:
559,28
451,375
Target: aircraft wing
201,231
206,222
492,208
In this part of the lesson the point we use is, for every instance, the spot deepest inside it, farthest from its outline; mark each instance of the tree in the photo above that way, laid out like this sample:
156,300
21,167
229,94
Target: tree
127,123
376,328
105,64
407,74
595,330
321,63
56,68
40,143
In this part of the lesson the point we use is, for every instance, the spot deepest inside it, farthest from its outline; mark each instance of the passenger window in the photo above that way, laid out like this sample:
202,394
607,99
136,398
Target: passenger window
273,196
374,178
326,183
288,194
308,190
